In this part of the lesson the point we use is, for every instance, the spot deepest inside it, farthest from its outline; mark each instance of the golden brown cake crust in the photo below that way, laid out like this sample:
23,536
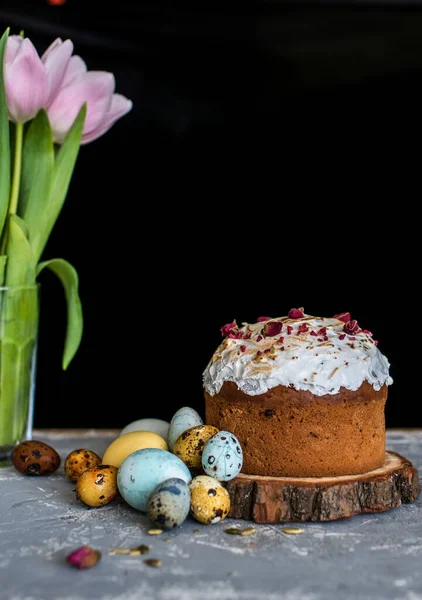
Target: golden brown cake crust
287,432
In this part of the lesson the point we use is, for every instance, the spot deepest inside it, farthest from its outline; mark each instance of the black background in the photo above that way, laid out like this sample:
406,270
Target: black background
271,160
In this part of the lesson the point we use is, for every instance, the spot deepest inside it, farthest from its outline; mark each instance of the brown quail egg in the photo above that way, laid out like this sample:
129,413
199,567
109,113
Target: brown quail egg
190,445
210,501
78,461
33,457
97,486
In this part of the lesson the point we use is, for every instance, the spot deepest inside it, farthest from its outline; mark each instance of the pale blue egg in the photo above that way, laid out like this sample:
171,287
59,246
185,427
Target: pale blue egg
169,504
183,419
141,472
222,457
156,425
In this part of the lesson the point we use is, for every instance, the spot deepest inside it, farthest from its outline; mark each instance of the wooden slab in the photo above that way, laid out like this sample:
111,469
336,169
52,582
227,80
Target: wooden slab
284,499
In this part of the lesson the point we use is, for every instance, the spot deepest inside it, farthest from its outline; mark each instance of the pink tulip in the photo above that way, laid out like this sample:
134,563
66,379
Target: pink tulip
25,80
31,81
55,60
96,88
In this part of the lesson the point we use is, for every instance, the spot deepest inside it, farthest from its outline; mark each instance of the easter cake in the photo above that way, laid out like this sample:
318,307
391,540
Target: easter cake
304,395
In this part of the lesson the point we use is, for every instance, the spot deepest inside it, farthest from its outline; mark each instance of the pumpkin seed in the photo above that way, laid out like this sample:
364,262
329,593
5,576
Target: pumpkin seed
248,531
153,562
293,530
155,531
237,531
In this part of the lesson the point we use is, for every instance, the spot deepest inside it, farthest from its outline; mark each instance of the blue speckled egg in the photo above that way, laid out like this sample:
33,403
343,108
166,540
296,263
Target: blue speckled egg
183,419
141,472
169,504
222,457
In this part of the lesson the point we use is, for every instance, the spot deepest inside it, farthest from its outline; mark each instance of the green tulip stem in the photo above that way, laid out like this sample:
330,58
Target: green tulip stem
16,180
17,167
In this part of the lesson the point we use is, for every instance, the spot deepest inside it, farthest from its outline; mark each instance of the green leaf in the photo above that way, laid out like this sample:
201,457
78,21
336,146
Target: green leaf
69,278
63,170
4,140
37,177
21,263
3,261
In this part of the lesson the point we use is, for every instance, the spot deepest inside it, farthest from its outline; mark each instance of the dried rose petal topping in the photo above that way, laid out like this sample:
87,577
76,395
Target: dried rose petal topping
351,327
342,336
289,329
272,328
345,317
281,339
259,338
84,557
303,328
243,348
322,331
314,333
296,313
247,336
228,328
262,319
259,353
368,332
376,342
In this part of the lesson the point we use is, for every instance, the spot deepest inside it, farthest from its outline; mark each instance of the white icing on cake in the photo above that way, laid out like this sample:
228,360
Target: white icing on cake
321,364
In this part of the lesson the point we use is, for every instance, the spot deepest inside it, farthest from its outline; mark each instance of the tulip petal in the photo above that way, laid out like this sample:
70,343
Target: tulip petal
26,83
13,44
55,60
120,106
96,89
76,69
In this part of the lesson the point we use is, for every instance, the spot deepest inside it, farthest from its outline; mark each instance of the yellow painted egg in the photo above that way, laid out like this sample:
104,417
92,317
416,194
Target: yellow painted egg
209,499
97,486
130,442
190,445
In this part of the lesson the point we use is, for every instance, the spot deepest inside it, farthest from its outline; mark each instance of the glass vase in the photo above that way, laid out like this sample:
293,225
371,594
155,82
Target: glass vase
19,319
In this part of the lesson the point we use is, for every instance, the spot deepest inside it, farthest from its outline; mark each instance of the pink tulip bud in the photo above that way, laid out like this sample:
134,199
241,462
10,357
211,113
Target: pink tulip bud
25,79
96,88
55,60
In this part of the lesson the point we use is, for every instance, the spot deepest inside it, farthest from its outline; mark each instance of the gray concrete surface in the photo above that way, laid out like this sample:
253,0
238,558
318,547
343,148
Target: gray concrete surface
376,557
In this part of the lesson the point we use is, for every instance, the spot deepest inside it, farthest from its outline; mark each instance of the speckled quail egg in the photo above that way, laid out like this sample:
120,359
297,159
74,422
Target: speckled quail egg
33,457
141,472
182,419
97,486
210,501
169,504
222,457
78,461
125,444
156,425
189,446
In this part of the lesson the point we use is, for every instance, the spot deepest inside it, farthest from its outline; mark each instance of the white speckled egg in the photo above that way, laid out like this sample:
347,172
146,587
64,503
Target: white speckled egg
210,501
222,456
141,472
183,419
169,504
156,425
